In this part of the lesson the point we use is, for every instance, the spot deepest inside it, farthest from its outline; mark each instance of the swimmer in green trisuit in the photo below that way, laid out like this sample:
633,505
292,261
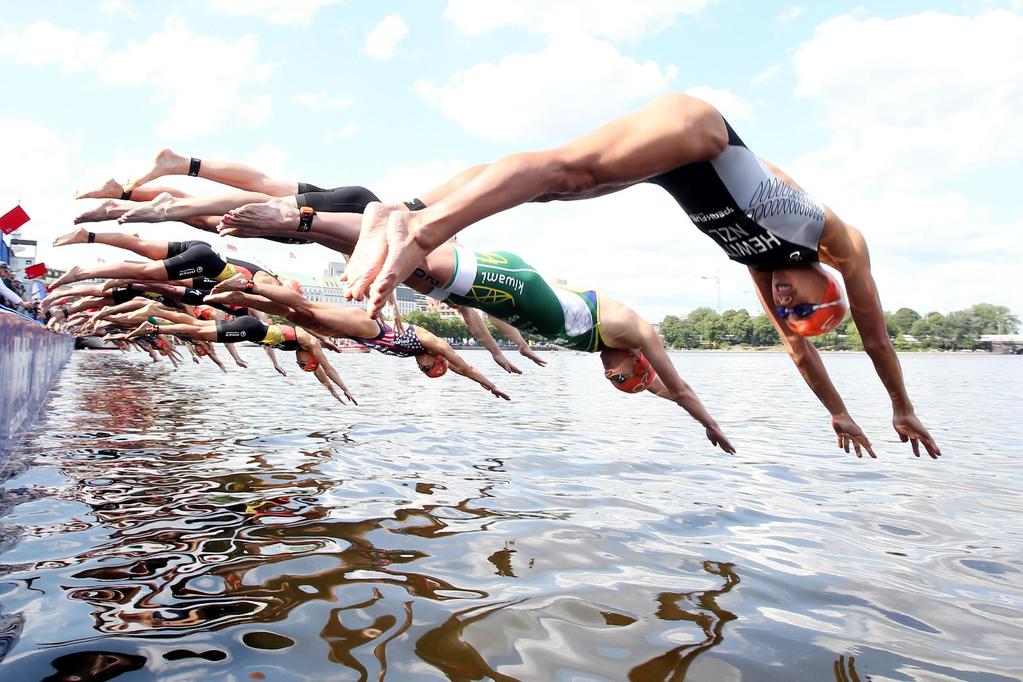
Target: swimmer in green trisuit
505,287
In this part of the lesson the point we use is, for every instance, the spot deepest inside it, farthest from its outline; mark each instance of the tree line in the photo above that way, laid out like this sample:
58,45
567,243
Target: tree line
908,329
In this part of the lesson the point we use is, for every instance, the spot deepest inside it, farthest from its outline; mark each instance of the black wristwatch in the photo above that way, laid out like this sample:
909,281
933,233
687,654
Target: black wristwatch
305,221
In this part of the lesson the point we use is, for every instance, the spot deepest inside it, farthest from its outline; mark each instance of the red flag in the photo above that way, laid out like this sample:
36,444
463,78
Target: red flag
13,219
37,270
232,247
291,254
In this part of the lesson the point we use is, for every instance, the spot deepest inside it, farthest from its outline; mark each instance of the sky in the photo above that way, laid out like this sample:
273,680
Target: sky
906,118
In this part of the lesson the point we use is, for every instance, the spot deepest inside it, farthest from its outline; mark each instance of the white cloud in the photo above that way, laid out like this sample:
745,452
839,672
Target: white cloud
935,100
325,100
42,44
935,97
789,14
204,80
608,18
118,7
407,182
341,133
382,41
767,74
732,106
286,12
572,85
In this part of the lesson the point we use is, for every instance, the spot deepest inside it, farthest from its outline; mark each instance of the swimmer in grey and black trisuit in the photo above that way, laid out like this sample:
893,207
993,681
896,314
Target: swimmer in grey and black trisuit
757,213
758,219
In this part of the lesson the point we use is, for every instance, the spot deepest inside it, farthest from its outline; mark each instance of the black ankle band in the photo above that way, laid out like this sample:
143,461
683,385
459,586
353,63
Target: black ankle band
193,166
92,237
415,205
126,195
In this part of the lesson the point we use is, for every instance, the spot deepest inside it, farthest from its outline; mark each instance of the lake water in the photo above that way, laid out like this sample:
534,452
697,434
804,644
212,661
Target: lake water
190,525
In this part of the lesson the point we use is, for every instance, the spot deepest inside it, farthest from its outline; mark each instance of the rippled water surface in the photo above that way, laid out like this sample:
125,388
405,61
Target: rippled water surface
190,525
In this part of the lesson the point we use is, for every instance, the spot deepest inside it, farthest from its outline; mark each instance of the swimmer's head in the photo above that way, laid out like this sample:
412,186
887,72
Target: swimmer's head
628,371
306,360
294,285
432,366
201,351
808,299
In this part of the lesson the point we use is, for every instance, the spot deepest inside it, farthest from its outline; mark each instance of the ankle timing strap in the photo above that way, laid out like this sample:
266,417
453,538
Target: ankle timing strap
91,237
193,166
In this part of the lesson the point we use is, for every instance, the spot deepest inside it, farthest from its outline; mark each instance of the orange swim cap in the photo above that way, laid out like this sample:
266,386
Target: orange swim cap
821,317
642,376
438,369
294,284
202,312
311,365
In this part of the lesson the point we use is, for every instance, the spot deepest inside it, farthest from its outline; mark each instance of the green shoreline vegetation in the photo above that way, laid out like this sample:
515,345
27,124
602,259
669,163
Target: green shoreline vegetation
704,328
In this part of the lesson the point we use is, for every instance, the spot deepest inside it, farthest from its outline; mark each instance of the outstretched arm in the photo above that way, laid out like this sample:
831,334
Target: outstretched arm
478,328
325,372
438,346
623,328
811,368
513,335
849,250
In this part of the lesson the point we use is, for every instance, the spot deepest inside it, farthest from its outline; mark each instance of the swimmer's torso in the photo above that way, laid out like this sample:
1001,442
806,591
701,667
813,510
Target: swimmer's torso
758,219
503,285
389,342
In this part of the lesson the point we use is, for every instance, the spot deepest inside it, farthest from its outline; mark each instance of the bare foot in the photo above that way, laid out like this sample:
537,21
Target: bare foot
236,282
79,235
154,211
371,249
165,162
111,189
108,210
144,328
404,253
68,277
273,216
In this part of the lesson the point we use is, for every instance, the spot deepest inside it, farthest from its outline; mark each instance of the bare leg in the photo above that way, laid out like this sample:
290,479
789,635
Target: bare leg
111,189
141,271
237,175
669,132
153,249
111,209
273,216
165,207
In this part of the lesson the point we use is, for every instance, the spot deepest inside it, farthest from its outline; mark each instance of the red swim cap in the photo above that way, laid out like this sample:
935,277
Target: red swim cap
439,368
829,313
294,284
642,376
201,351
311,365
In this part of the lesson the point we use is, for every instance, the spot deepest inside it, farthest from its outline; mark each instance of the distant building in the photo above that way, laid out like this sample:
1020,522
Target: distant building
334,270
409,300
322,289
442,309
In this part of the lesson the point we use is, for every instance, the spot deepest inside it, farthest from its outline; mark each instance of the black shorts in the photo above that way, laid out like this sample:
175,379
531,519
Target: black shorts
128,293
337,200
244,328
192,259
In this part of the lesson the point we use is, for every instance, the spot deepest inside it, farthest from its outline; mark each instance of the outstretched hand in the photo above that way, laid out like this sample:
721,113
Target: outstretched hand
280,370
910,429
506,364
528,353
717,437
850,434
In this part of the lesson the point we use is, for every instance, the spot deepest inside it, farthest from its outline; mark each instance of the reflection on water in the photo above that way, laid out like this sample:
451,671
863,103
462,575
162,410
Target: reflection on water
187,525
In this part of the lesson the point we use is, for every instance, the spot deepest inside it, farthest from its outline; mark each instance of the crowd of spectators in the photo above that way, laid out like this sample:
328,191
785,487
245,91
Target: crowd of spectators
18,296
